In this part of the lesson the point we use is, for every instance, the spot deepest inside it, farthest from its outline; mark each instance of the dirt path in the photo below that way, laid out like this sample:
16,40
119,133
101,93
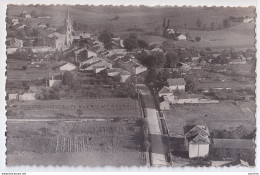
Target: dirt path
158,151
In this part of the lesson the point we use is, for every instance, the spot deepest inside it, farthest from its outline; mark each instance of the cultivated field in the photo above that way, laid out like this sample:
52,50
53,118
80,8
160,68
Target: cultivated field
91,108
216,116
76,143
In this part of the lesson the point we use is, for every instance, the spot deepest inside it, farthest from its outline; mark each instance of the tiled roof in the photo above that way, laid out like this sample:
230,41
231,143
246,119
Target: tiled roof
176,81
164,90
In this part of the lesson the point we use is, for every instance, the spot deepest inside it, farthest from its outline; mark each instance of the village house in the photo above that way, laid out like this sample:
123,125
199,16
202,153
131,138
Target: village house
89,61
55,79
15,21
98,69
124,75
13,95
43,26
11,50
117,43
181,37
67,67
131,66
20,26
165,91
27,96
113,72
163,104
14,42
197,140
170,31
98,63
176,83
169,99
44,17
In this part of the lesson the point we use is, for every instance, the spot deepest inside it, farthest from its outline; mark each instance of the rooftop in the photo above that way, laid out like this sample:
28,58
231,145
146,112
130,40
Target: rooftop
176,81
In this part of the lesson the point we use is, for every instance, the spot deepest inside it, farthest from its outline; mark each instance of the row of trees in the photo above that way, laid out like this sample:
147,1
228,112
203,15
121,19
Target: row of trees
225,23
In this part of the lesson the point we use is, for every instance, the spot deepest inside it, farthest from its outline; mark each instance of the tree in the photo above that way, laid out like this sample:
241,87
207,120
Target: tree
75,26
197,38
79,112
143,44
212,26
35,32
198,23
226,23
191,84
33,14
172,59
205,26
68,79
106,38
130,43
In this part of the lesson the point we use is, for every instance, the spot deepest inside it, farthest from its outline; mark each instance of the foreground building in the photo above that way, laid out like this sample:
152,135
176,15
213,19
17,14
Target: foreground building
197,140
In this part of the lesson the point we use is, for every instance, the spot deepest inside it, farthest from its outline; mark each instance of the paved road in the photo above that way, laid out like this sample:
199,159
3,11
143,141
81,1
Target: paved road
158,150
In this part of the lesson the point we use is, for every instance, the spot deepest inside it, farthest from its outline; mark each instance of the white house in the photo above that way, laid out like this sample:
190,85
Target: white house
27,96
165,91
197,140
27,16
98,69
169,99
176,83
40,25
198,146
164,105
13,96
67,67
170,31
181,37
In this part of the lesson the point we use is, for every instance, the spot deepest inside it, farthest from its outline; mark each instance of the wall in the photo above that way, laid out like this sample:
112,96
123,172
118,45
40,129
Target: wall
198,150
188,100
180,87
55,83
27,96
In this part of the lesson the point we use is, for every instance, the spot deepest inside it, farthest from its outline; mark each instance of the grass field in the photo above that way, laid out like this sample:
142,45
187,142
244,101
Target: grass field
216,116
75,143
91,108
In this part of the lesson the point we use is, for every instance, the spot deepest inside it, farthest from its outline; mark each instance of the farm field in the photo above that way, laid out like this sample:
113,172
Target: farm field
91,108
216,116
76,143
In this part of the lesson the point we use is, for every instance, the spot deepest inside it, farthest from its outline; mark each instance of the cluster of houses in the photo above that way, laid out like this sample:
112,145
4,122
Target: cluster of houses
244,19
167,98
89,57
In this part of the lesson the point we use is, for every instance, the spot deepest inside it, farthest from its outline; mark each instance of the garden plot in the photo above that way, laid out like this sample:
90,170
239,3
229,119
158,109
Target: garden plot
91,108
110,142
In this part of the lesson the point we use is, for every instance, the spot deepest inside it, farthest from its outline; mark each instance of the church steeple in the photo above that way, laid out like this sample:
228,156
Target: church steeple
68,27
